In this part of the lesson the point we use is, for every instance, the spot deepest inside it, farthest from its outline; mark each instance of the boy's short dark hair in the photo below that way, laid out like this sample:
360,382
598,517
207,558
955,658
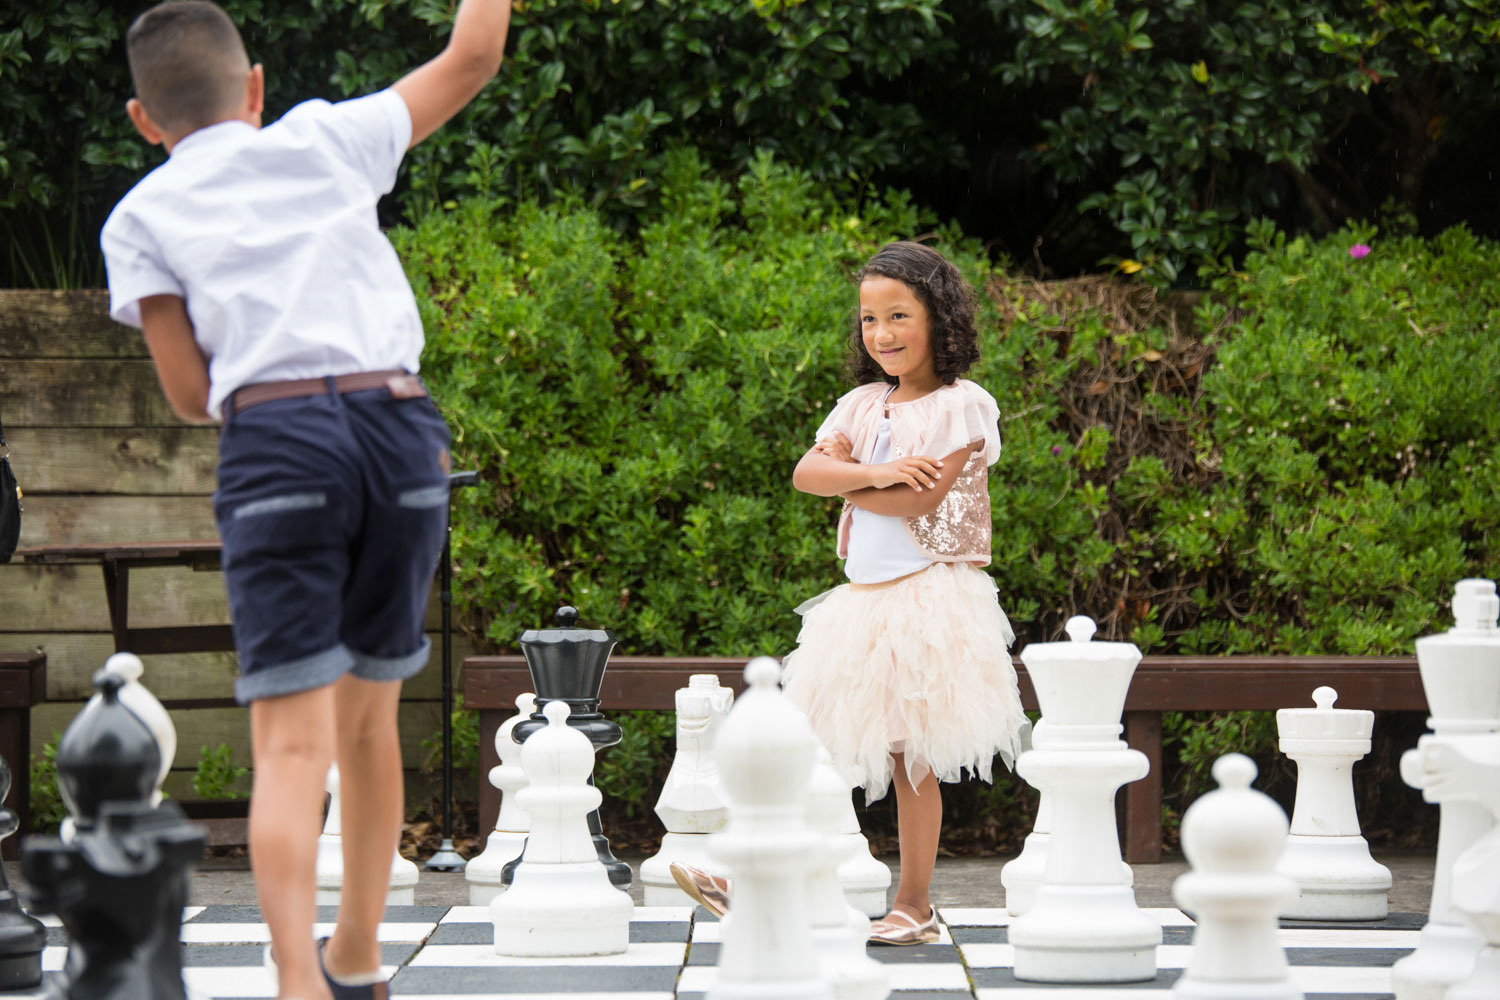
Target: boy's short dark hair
187,62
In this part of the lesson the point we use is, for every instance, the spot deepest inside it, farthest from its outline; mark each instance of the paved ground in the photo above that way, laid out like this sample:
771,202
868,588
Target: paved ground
957,882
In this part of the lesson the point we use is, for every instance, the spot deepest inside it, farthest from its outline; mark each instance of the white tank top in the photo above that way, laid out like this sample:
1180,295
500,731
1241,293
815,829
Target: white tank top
880,548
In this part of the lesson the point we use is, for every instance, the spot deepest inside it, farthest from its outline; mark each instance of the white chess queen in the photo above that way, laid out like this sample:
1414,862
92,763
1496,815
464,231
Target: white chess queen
903,670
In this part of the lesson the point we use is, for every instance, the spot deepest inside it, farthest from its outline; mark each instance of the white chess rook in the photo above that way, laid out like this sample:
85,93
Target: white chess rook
1326,855
512,823
766,750
1461,678
840,929
330,857
560,901
692,804
1232,838
1084,925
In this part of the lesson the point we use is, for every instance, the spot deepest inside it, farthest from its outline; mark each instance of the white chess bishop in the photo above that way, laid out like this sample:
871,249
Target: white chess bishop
692,804
1326,855
1084,925
766,751
561,902
330,857
1461,678
1232,838
512,823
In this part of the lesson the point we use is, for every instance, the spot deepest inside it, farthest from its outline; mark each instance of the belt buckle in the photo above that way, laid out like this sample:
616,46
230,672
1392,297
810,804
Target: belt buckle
405,386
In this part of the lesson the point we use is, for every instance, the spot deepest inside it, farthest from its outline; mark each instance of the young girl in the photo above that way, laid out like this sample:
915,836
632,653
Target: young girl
904,670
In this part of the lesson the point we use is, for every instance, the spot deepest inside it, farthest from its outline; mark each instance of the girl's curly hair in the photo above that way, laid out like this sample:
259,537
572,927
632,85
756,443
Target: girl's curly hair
950,311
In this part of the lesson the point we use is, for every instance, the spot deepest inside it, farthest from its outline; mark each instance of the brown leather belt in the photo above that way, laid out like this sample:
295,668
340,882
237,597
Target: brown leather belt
402,385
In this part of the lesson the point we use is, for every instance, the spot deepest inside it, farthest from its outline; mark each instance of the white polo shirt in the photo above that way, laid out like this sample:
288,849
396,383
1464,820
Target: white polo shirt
271,238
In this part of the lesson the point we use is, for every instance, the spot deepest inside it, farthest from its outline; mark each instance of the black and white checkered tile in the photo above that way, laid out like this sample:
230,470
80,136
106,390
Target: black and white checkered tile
446,953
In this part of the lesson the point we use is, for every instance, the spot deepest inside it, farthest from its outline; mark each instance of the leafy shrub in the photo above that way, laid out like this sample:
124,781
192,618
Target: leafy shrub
1182,120
218,776
47,807
589,96
1217,476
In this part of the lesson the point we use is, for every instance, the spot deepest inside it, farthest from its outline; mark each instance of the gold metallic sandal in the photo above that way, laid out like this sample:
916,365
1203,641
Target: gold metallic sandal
908,931
710,891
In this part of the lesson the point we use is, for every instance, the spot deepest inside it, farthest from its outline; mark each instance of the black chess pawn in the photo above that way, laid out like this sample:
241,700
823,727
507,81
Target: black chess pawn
22,937
120,883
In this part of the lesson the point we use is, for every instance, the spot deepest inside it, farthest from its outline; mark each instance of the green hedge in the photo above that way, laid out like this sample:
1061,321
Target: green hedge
1303,462
1304,466
1063,132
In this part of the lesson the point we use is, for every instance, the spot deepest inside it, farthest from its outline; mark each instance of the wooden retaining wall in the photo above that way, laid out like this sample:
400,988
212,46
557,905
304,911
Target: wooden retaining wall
101,458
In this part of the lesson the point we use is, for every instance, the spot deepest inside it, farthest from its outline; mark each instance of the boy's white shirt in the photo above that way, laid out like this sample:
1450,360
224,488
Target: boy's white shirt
271,238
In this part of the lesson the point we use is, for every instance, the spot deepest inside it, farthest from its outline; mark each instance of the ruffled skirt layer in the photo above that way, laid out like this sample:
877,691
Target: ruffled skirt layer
919,667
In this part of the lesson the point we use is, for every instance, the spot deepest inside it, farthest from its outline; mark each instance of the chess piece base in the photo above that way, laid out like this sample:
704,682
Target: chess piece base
22,938
1187,989
1023,874
483,872
1484,984
656,878
864,877
1085,934
1336,879
561,911
20,972
1445,956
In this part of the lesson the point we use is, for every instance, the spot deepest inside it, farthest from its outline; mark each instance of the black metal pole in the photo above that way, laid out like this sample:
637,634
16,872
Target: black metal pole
447,857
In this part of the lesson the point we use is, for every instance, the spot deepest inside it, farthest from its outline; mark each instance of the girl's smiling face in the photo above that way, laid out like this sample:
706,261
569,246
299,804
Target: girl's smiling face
893,323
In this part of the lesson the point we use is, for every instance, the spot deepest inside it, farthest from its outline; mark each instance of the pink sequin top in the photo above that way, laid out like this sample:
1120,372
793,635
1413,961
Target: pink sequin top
937,424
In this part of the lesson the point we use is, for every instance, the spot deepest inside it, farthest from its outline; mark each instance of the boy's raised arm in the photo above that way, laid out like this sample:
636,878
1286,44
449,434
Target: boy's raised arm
437,90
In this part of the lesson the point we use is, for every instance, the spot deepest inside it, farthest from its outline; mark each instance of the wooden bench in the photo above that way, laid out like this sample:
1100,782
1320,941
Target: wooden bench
23,683
1161,684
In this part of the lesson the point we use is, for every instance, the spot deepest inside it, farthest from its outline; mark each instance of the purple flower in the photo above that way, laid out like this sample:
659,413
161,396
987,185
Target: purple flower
1359,251
1057,449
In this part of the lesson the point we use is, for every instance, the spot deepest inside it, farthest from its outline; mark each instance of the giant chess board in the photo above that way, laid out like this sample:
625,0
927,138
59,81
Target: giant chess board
445,953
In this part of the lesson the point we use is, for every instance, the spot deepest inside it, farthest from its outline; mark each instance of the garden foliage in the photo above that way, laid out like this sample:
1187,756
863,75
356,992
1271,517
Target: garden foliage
1064,132
588,97
1305,463
1183,120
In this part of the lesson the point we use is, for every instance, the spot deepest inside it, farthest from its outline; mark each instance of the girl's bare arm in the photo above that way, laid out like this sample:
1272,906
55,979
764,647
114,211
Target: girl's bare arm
903,501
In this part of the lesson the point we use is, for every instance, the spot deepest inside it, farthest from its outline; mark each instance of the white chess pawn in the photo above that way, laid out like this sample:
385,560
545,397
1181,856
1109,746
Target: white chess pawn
1232,838
1325,854
560,902
1022,874
1461,678
692,804
865,878
512,823
766,750
330,857
1084,925
840,929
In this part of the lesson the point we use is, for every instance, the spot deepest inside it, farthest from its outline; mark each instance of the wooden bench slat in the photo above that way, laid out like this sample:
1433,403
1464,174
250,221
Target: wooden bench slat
1161,683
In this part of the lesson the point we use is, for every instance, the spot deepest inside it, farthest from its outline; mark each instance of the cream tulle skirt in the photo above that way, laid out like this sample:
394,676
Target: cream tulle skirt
918,667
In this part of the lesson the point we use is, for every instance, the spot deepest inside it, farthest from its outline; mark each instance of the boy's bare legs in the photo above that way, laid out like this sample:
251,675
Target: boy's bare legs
370,784
293,741
919,821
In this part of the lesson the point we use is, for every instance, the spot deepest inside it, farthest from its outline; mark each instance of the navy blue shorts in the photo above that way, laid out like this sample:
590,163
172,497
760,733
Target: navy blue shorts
332,510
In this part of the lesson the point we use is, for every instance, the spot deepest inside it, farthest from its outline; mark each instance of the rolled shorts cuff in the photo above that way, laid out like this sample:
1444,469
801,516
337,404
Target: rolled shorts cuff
295,676
391,668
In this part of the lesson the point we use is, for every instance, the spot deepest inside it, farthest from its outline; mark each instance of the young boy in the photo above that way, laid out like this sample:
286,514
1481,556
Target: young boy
270,300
